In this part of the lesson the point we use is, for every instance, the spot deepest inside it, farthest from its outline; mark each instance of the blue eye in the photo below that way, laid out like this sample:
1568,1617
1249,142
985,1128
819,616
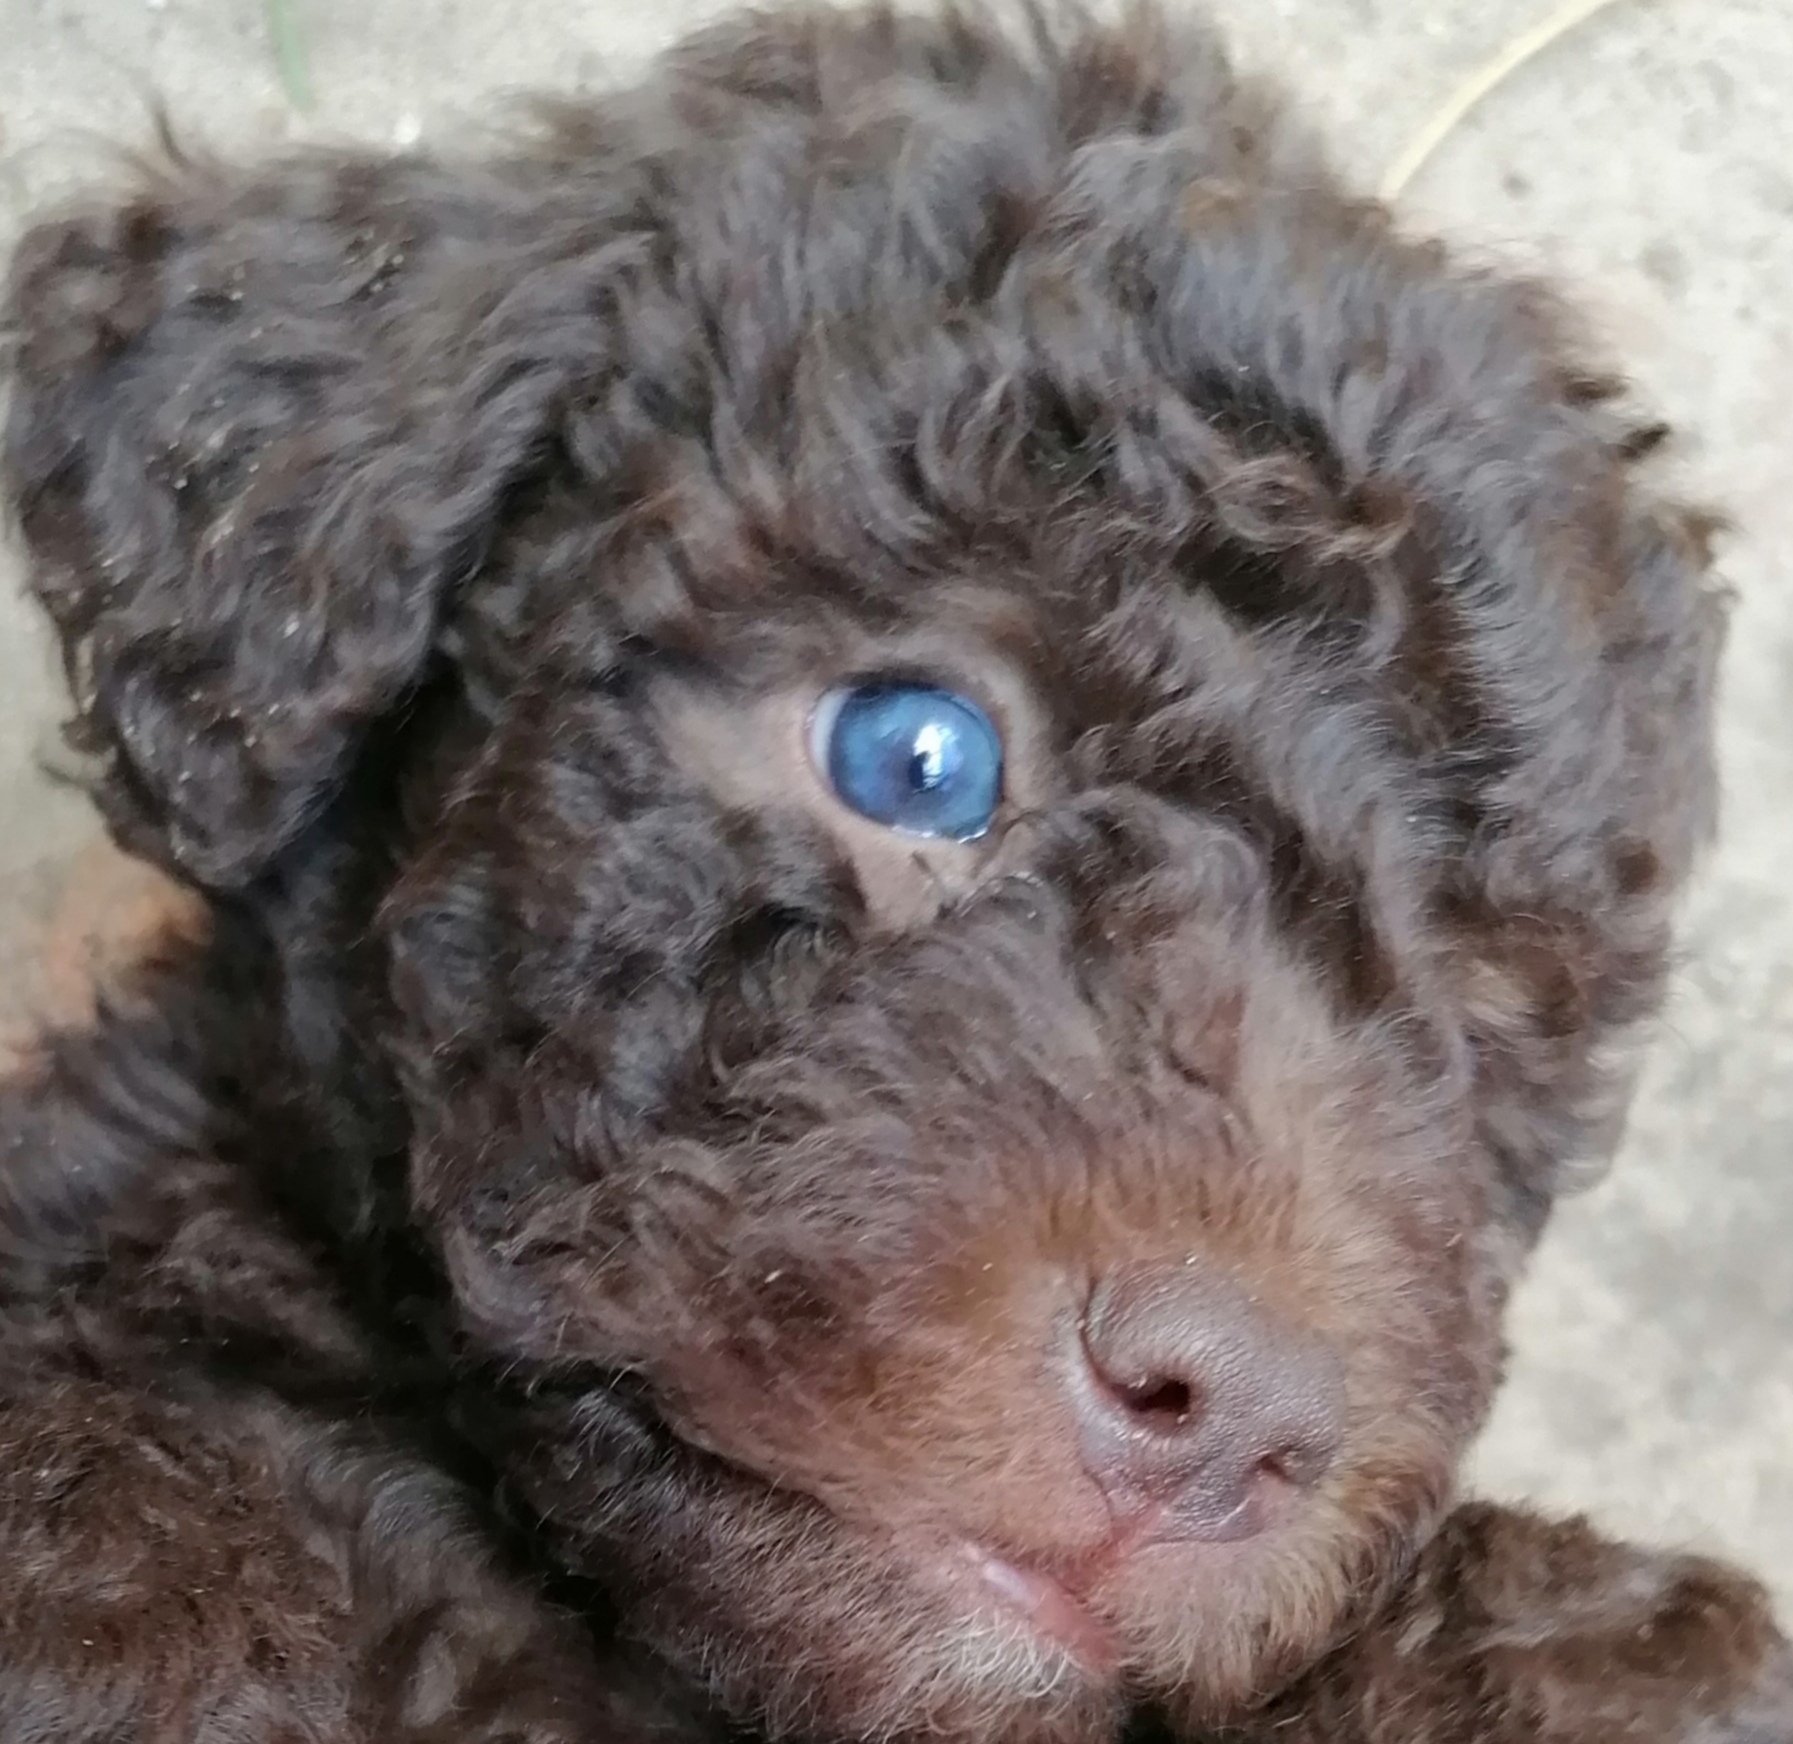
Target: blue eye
911,756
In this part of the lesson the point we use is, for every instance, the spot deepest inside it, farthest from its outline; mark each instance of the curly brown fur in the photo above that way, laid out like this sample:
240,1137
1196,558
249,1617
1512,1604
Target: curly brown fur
588,1171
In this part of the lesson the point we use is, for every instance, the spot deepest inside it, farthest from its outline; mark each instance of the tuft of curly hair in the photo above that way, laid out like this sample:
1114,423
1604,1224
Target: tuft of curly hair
933,802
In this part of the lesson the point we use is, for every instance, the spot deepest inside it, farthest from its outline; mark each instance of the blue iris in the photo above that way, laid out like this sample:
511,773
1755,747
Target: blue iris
912,756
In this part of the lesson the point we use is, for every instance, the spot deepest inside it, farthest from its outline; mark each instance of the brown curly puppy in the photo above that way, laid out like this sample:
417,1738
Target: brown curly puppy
933,803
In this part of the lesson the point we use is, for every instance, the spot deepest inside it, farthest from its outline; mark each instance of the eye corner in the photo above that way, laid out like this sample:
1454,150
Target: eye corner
819,727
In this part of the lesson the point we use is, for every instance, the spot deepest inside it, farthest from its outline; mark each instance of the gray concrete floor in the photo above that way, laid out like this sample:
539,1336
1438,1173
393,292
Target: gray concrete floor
1648,161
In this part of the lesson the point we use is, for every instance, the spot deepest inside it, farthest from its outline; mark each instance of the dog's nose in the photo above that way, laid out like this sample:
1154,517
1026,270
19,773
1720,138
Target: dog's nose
1192,1399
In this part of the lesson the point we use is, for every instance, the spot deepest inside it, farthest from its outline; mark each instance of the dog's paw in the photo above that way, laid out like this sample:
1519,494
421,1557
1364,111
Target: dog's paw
1517,1630
1571,1637
1764,1715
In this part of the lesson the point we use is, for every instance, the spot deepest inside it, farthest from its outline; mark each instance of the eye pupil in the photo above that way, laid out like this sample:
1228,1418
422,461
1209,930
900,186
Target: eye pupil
912,756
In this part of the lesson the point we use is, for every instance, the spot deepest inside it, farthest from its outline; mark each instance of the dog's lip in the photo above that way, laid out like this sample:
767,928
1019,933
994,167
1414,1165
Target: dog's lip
1049,1607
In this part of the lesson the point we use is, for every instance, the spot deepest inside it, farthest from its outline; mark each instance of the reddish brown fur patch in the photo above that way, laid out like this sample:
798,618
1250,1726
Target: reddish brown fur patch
570,1092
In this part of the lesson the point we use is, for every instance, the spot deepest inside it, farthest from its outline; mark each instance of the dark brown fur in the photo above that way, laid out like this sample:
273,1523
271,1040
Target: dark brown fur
587,1175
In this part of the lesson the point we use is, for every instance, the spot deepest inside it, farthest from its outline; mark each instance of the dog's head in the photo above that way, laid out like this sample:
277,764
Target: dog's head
1024,778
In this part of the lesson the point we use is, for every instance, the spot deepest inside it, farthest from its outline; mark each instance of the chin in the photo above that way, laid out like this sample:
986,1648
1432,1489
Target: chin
814,1626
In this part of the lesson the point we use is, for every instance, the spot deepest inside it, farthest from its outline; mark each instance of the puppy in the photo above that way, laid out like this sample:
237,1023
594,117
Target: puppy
931,801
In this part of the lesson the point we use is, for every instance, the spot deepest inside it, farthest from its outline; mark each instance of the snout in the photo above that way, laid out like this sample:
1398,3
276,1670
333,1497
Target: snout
1195,1406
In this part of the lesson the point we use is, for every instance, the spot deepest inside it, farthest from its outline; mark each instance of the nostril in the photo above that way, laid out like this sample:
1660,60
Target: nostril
1160,1401
1279,1466
1163,1403
1299,1461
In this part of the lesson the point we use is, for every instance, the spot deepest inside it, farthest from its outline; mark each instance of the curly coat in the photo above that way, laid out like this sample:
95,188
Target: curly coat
570,1255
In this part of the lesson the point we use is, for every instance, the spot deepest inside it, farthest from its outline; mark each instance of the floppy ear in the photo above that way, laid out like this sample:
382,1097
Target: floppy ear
261,427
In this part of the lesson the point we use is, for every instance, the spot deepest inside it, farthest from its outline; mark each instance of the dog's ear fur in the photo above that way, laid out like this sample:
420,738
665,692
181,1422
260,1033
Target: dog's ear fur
260,428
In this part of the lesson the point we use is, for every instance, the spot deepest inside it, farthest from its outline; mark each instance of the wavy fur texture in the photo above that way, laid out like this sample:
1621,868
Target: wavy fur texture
578,1251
